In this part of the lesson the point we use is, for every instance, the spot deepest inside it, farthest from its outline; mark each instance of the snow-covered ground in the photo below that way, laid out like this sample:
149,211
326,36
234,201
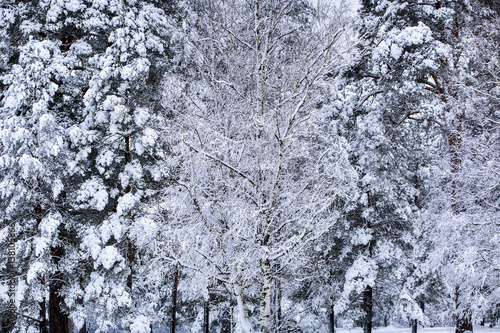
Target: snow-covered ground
392,329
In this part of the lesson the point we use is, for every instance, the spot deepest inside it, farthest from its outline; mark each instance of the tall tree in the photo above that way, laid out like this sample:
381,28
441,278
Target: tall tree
41,89
466,203
416,67
117,155
405,46
264,166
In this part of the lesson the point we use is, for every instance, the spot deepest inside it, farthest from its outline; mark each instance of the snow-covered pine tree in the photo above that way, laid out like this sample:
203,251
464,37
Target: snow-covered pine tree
465,203
419,64
380,223
42,88
119,160
405,46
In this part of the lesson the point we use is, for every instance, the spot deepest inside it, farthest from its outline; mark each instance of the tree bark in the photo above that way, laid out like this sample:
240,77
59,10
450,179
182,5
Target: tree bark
367,306
368,309
277,304
206,317
463,319
58,320
43,316
130,247
226,321
332,320
265,297
464,323
242,309
414,325
43,305
84,328
174,298
414,322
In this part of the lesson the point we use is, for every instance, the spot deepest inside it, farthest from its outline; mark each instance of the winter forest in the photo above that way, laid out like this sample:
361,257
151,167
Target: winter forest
249,165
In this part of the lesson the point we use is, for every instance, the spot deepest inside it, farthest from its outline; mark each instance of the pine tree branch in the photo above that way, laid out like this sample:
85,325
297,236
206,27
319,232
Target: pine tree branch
367,97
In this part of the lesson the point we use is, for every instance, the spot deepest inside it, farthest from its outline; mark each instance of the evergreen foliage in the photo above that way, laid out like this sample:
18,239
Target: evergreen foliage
248,165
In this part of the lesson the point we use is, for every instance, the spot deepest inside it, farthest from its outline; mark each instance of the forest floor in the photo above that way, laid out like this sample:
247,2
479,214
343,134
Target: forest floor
392,329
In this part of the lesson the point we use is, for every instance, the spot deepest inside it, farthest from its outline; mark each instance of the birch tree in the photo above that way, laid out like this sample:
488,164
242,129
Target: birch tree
265,170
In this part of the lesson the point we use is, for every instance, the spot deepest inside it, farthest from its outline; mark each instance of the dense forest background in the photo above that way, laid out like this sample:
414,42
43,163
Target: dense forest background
249,165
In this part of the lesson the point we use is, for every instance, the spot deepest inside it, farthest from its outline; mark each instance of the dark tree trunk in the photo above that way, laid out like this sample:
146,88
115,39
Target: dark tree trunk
43,316
414,322
463,320
130,257
84,328
414,325
464,323
130,246
58,320
174,298
332,320
43,306
206,317
226,321
368,309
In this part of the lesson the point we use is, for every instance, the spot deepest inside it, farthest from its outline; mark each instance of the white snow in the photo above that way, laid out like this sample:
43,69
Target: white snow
140,325
141,116
108,257
4,233
35,270
93,194
73,5
92,243
393,329
4,292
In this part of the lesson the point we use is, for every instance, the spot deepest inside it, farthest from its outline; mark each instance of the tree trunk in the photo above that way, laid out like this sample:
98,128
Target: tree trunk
414,325
43,316
226,321
455,147
242,309
174,298
206,317
265,298
332,320
130,247
463,319
368,309
43,306
464,323
277,304
84,328
58,320
414,322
